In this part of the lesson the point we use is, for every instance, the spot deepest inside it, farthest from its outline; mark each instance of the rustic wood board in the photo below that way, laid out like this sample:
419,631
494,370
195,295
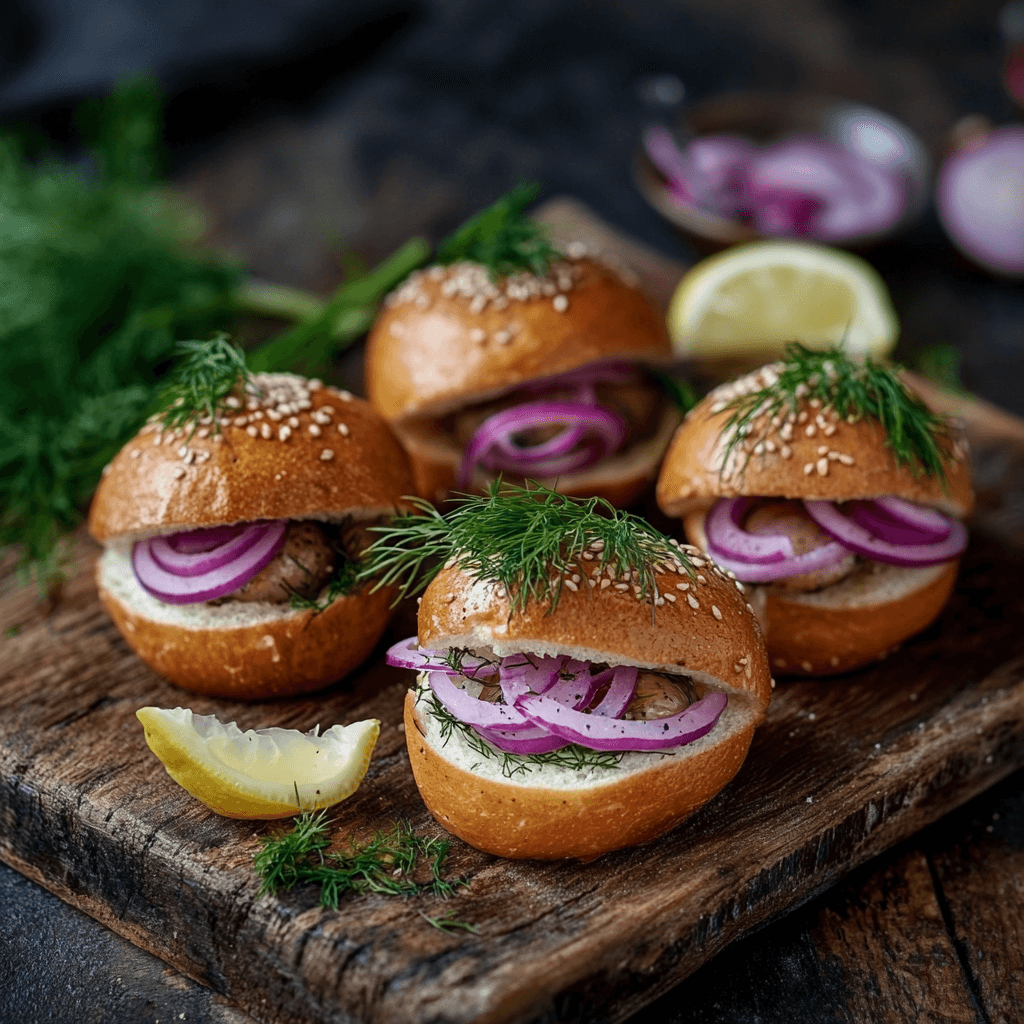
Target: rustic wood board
842,770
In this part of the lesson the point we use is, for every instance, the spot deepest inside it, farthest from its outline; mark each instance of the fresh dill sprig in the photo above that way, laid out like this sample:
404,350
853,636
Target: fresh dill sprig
449,923
524,538
209,372
503,238
342,582
573,756
916,436
385,864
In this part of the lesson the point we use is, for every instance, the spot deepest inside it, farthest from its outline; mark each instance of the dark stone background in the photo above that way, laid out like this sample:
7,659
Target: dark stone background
304,126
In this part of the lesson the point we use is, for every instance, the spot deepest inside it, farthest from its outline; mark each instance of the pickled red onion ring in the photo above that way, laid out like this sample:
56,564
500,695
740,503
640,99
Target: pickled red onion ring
174,559
217,582
493,447
857,539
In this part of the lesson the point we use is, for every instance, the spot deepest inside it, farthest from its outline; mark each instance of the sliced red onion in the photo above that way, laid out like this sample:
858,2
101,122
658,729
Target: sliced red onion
191,542
853,196
536,740
179,562
619,694
719,161
218,582
892,519
674,163
408,654
575,686
724,531
473,711
602,733
520,675
750,571
860,541
492,445
980,198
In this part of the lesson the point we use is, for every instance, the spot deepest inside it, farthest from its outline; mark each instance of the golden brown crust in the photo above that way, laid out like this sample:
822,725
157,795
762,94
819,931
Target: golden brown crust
819,457
430,352
298,653
264,467
549,824
708,627
811,640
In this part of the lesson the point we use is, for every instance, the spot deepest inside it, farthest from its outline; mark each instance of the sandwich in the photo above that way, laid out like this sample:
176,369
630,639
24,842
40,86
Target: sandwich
233,526
583,683
506,357
835,494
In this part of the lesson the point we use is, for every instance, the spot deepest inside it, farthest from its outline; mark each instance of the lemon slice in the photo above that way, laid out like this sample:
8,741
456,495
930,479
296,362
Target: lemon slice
260,773
749,301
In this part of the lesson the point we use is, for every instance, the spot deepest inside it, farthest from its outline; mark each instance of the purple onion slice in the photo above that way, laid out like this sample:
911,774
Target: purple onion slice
619,694
477,713
407,653
601,733
860,541
191,542
180,562
726,535
208,586
526,741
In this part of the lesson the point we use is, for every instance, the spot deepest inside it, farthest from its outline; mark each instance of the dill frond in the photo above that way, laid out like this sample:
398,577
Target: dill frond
916,436
385,864
344,580
208,373
523,538
503,238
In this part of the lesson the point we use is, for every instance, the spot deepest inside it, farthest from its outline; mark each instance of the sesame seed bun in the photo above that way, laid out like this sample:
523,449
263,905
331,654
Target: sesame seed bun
554,812
838,462
297,451
450,338
265,465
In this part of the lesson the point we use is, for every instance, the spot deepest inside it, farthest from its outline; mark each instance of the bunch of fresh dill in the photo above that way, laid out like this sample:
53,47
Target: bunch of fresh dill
98,278
522,538
388,863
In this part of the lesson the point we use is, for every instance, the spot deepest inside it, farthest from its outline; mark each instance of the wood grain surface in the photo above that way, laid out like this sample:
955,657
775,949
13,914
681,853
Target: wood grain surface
842,770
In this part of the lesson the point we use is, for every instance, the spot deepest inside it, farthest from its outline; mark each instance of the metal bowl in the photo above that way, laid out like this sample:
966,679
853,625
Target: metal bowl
768,117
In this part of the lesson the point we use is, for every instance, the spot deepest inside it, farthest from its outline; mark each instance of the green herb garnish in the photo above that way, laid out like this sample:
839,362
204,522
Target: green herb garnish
503,238
448,923
344,580
523,538
386,864
199,385
915,435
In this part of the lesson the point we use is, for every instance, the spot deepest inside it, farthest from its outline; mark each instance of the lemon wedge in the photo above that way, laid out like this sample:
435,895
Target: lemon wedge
747,302
259,773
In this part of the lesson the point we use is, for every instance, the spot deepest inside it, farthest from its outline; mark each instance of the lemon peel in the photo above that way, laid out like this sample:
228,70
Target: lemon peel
753,299
259,773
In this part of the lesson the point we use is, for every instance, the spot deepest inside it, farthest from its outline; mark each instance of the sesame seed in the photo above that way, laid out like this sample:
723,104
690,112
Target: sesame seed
833,661
716,611
183,451
605,584
284,433
265,431
670,597
232,403
343,429
179,473
846,460
135,453
314,430
822,449
561,303
572,586
692,601
810,430
786,452
682,586
622,586
701,579
833,456
326,455
829,430
739,586
808,468
822,467
807,667
240,421
294,423
478,335
750,608
346,396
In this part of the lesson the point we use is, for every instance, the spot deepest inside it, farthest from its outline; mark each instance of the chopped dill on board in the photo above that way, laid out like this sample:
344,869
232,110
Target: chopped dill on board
523,538
917,437
389,863
503,238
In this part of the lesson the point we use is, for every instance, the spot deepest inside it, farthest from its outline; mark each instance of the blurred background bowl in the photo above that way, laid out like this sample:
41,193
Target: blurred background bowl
764,118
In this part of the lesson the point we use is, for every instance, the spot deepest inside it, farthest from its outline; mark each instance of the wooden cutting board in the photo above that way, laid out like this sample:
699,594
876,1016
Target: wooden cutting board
842,769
